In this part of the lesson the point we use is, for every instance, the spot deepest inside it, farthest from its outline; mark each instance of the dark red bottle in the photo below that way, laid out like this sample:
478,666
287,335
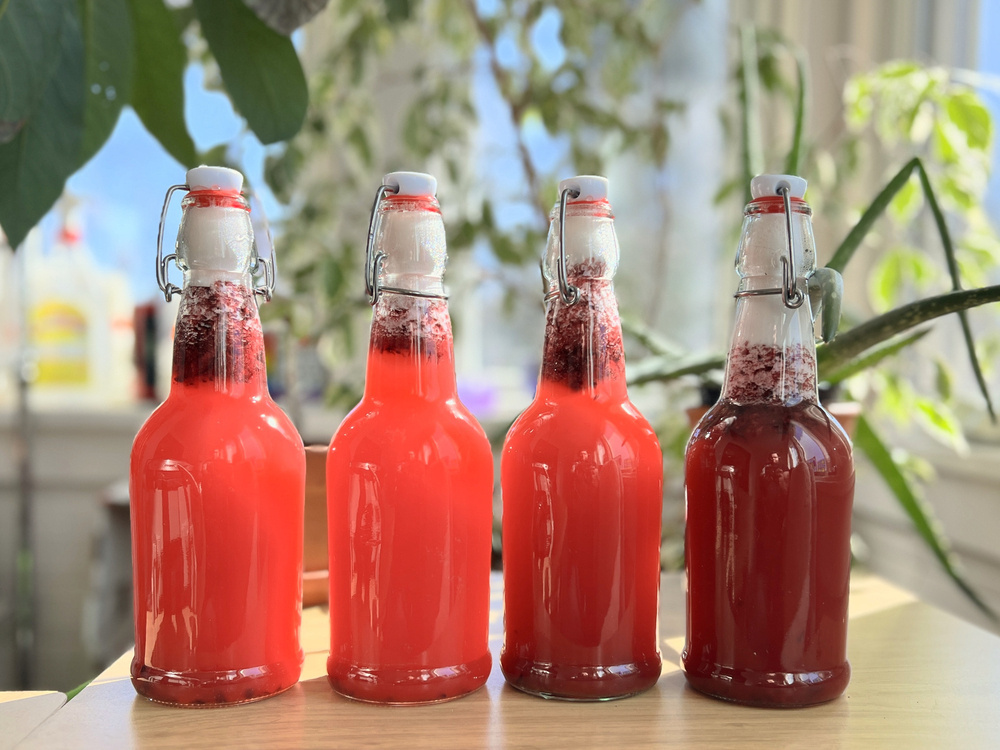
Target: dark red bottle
769,481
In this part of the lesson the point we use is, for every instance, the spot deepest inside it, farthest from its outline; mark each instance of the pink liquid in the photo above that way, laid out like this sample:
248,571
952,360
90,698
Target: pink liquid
769,494
409,492
582,478
216,485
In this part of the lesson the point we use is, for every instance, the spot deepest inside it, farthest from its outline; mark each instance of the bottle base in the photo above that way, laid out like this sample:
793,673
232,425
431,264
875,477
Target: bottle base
408,687
581,683
769,689
215,689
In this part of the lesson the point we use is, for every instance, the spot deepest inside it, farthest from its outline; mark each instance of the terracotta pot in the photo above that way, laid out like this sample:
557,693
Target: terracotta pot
315,576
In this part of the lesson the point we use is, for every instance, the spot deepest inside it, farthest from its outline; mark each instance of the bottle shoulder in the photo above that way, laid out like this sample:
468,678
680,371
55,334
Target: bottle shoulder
224,423
769,427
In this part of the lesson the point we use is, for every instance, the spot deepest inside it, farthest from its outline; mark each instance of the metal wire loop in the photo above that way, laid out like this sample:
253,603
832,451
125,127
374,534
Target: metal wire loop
569,294
791,295
374,261
162,271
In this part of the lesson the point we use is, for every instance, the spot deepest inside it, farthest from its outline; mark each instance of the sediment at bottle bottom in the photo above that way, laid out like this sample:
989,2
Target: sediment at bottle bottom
768,689
414,686
598,682
214,689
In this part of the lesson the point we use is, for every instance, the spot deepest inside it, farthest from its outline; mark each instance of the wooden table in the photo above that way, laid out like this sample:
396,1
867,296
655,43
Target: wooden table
21,712
921,678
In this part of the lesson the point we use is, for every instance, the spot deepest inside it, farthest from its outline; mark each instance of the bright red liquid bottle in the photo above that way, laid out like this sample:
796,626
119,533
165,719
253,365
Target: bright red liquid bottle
409,487
582,477
770,484
216,485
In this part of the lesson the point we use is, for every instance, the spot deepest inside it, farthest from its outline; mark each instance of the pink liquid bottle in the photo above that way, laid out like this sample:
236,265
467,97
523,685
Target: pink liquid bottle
409,482
769,483
582,476
217,480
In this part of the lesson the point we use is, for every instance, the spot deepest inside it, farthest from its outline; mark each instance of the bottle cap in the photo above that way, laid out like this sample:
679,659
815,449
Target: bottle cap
411,183
766,185
591,187
214,178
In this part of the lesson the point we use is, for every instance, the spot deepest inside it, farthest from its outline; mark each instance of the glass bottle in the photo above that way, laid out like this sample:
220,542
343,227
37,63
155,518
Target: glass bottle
409,482
582,476
216,481
769,486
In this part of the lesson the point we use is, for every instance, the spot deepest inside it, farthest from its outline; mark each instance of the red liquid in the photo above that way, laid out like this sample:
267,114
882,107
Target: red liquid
582,491
216,485
769,494
409,492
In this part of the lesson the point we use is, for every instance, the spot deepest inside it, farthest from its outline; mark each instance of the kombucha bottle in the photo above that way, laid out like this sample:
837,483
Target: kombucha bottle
769,486
582,476
409,482
216,481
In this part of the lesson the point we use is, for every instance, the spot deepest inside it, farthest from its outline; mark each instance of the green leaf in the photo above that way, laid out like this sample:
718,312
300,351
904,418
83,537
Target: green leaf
29,53
46,150
653,369
259,67
852,343
107,45
284,16
915,507
159,60
873,357
941,423
906,202
753,152
802,75
967,111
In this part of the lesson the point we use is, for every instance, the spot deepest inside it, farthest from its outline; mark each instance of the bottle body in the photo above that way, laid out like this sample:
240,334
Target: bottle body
769,478
217,477
581,475
216,485
409,494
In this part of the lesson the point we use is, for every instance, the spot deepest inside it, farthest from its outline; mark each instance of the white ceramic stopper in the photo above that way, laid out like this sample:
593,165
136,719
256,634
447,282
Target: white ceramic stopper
411,183
214,178
766,185
591,187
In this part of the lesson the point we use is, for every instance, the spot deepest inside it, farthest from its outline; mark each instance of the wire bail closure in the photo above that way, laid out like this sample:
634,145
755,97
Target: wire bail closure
269,266
374,261
791,295
568,293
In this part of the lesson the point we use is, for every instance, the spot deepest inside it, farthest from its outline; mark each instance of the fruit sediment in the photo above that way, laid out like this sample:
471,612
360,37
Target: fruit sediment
770,483
217,544
409,484
582,477
583,341
218,335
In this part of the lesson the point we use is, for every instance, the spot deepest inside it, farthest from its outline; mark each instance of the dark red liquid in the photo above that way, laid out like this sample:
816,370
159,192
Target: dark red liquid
216,486
409,492
582,493
769,495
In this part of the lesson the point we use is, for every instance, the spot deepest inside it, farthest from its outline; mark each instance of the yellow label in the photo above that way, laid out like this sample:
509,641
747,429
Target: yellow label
59,334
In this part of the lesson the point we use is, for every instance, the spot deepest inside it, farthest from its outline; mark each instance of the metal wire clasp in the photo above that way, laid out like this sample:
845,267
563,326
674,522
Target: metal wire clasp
569,294
791,295
373,260
162,271
269,266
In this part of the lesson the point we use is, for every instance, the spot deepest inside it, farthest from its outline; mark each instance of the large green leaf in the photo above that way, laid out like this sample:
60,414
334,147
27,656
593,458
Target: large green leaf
46,150
107,44
159,59
919,512
284,16
259,66
29,53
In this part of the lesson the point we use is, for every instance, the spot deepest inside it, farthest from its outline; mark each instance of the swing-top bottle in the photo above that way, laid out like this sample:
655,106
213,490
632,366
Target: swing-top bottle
769,486
216,481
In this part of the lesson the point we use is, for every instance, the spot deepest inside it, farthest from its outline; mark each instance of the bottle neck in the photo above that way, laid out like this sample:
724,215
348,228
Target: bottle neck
218,342
411,353
583,342
772,359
